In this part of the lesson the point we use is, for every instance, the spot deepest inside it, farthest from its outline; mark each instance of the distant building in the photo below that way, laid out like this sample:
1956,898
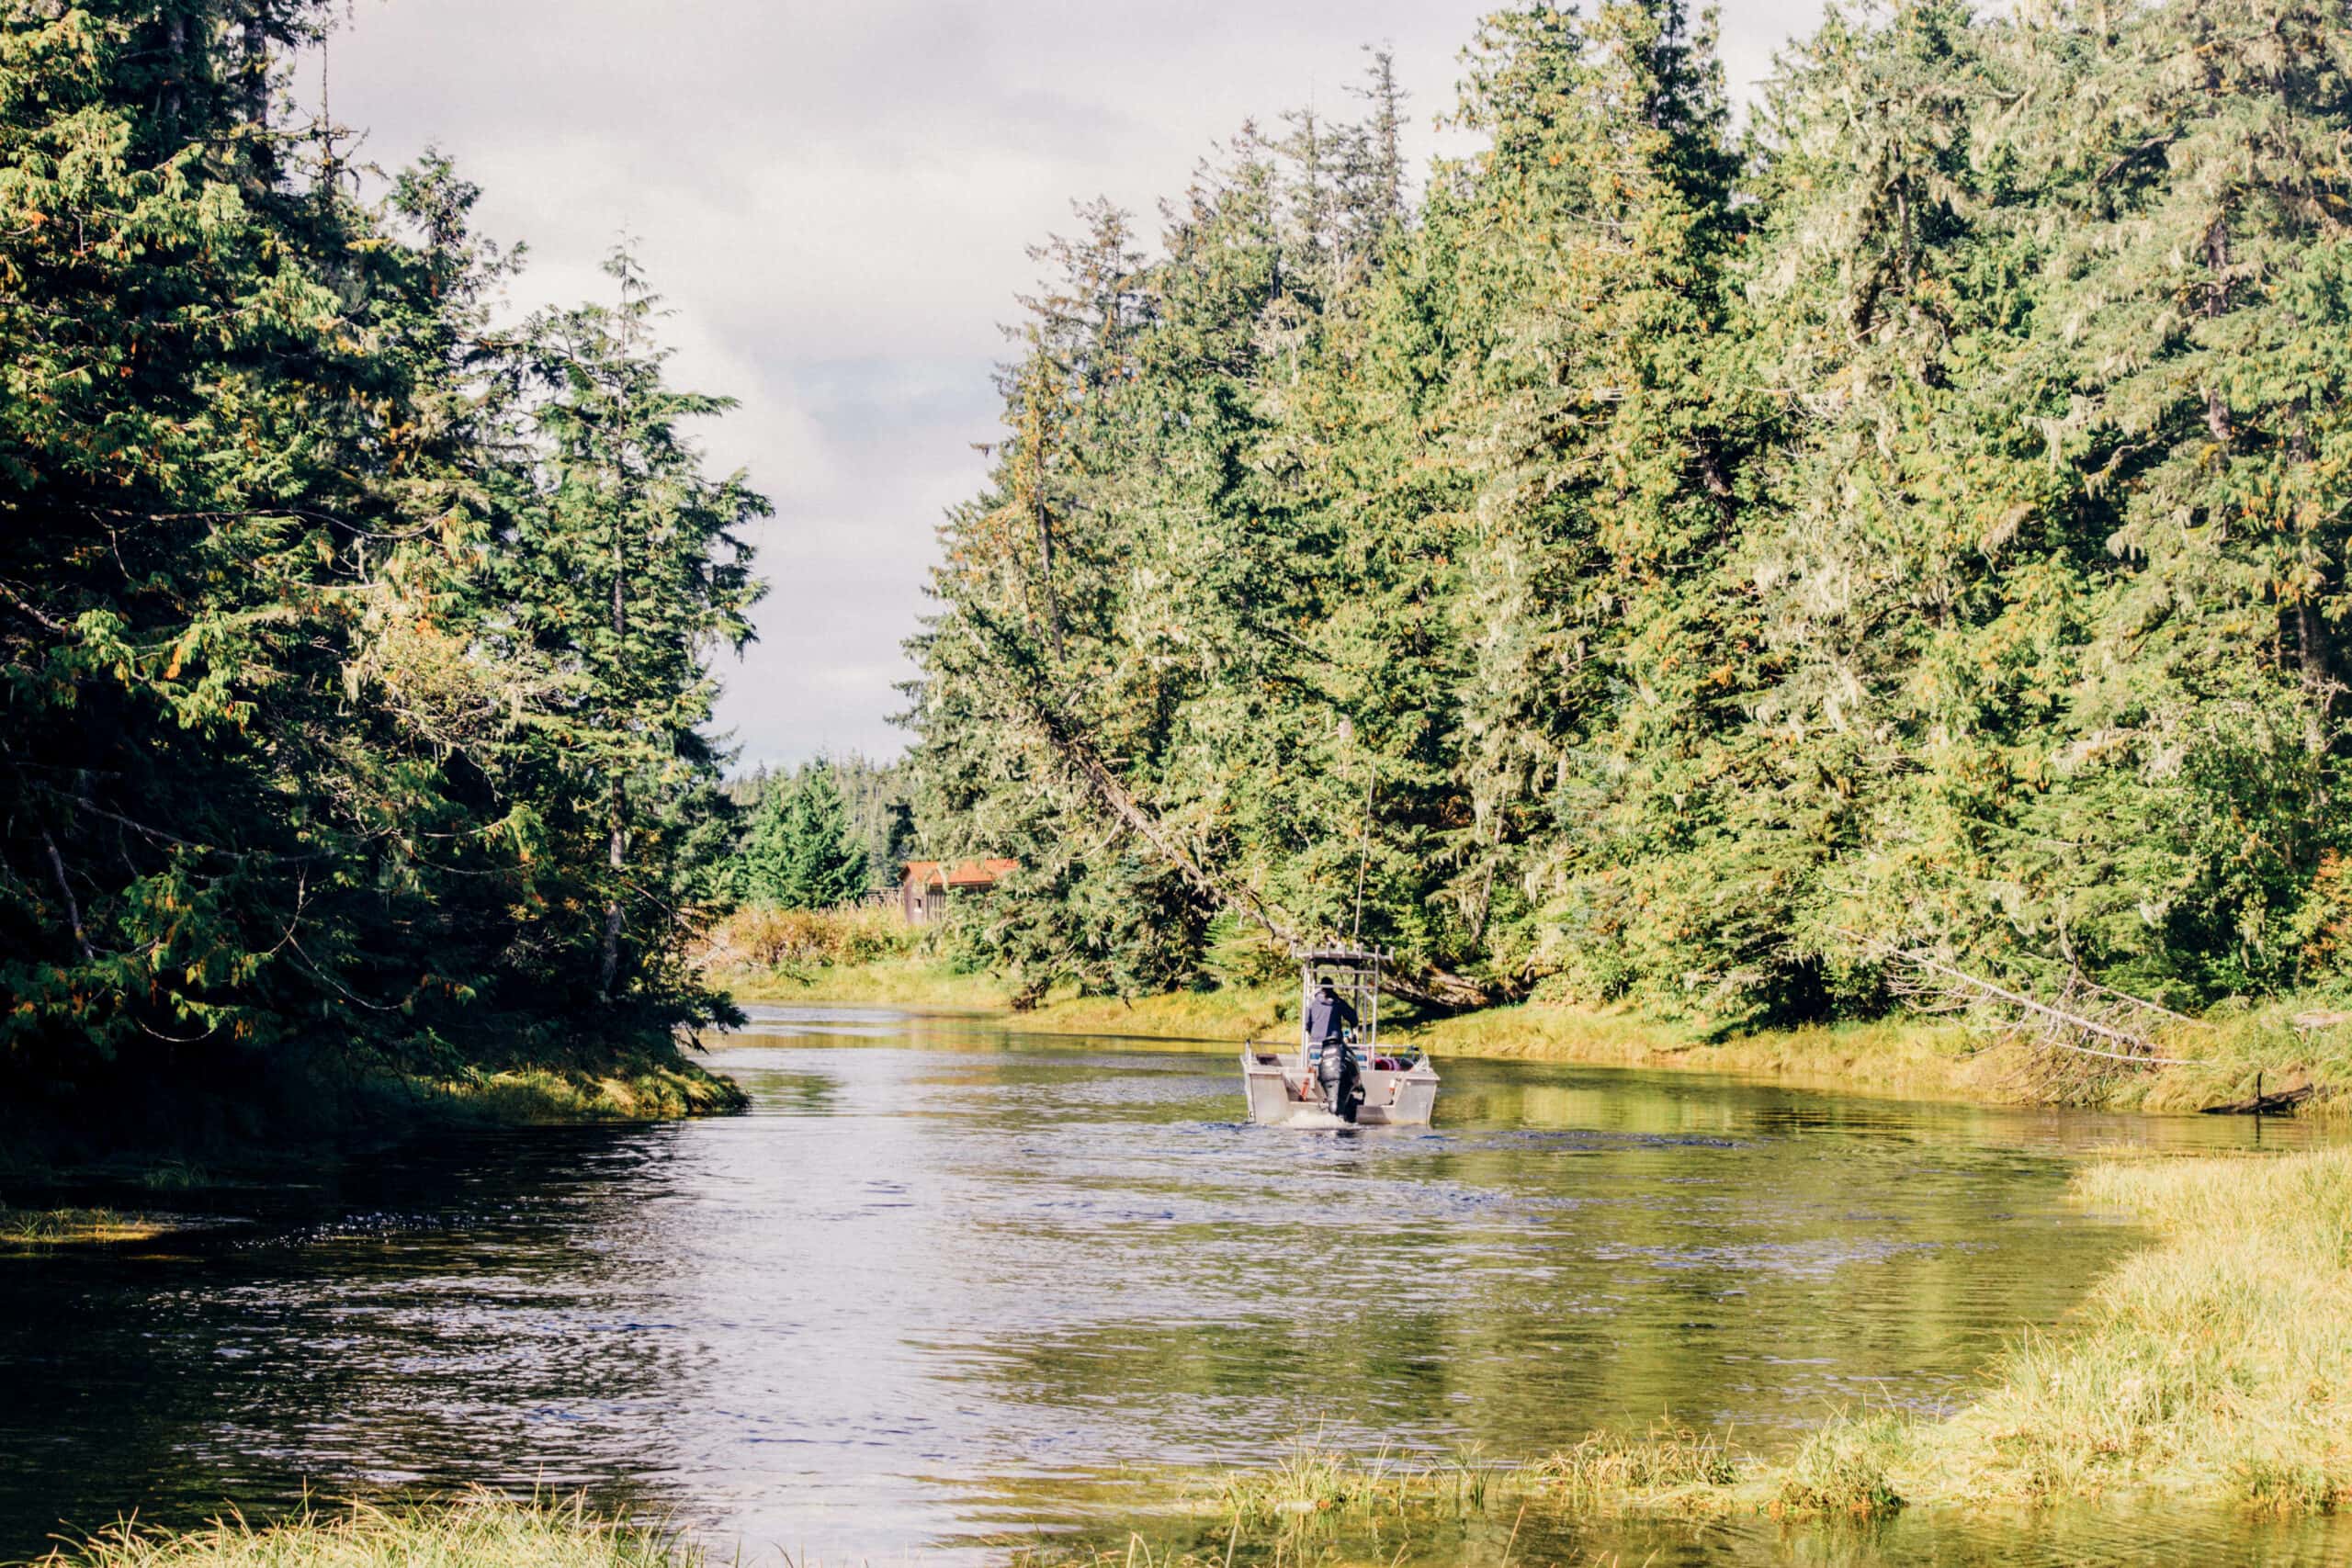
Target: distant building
923,896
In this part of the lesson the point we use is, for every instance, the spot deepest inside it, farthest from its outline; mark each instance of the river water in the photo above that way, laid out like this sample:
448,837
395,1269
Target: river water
944,1281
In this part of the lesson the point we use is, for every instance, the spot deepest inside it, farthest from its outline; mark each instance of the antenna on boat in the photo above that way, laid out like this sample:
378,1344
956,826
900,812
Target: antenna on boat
1363,834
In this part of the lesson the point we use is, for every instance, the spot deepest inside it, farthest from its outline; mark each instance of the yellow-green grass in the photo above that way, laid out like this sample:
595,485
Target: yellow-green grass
909,982
2216,1363
2277,1046
541,1096
1310,1479
30,1229
1910,1058
1933,1058
1921,1058
2214,1367
1227,1014
481,1529
1664,1470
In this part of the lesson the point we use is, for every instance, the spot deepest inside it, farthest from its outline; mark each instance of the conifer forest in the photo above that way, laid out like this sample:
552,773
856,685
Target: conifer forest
1652,555
1691,558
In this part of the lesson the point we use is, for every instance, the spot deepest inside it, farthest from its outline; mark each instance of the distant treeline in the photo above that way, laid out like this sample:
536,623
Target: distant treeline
1916,519
827,832
354,649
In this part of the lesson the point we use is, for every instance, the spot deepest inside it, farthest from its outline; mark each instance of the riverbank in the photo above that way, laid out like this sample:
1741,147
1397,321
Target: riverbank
2207,1368
2281,1048
65,1183
35,1230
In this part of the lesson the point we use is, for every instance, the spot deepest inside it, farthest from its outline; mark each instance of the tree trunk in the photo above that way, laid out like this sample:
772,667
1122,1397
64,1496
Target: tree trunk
257,66
617,847
1045,558
2321,686
175,88
608,968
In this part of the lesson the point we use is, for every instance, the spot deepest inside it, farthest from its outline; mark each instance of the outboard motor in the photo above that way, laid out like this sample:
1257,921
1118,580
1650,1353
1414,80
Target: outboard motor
1343,1080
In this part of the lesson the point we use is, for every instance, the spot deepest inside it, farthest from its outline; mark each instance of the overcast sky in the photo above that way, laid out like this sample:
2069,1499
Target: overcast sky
836,196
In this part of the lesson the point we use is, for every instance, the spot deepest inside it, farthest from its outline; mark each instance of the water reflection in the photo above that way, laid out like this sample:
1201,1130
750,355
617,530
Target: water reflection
941,1276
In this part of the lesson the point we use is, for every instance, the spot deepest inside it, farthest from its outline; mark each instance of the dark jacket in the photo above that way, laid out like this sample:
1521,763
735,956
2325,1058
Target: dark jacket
1328,1017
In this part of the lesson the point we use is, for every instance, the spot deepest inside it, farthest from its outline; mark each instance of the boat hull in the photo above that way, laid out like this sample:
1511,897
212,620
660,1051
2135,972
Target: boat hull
1282,1095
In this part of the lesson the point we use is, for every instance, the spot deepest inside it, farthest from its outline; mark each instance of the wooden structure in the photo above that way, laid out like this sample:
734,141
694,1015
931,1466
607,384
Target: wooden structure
930,883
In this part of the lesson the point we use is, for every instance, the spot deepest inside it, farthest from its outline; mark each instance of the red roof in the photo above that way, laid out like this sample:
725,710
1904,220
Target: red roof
959,873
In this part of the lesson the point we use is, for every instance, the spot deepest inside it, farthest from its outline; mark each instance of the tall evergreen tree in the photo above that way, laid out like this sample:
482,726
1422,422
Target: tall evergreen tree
803,851
630,571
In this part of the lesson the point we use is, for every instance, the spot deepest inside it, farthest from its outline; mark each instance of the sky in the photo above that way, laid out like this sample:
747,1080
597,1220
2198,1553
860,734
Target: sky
837,197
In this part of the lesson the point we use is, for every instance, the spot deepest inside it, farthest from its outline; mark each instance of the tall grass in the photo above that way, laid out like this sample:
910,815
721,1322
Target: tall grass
1845,1467
1310,1479
1669,1468
41,1228
480,1529
2218,1362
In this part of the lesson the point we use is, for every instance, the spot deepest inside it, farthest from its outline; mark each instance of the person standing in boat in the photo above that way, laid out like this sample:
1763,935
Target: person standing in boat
1329,1016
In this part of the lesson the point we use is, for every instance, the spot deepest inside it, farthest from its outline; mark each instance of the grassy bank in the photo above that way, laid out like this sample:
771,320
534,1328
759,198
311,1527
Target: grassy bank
2211,1367
2217,1362
89,1174
646,1090
1925,1059
922,984
480,1530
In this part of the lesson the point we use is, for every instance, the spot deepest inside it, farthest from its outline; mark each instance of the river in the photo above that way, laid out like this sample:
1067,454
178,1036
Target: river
945,1280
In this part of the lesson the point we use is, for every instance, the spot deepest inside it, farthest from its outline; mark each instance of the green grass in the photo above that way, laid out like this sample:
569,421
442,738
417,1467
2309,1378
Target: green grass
1846,1466
539,1096
2217,1363
34,1229
1312,1480
1666,1469
2214,1367
1920,1058
481,1529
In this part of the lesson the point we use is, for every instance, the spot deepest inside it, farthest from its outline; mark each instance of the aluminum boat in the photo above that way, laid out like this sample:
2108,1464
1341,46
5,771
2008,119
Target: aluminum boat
1400,1087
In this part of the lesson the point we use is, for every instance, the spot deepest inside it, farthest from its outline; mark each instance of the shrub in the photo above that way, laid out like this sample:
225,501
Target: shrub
762,936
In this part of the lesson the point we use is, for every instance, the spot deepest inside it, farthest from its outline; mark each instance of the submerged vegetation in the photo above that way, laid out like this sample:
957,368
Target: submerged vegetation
1666,554
356,650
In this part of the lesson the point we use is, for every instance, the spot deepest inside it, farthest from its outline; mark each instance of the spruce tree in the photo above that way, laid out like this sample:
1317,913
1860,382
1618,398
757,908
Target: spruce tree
628,570
803,851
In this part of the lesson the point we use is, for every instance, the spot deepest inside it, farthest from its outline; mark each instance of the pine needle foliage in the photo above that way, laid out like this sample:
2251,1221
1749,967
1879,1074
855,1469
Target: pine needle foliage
355,654
1679,564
